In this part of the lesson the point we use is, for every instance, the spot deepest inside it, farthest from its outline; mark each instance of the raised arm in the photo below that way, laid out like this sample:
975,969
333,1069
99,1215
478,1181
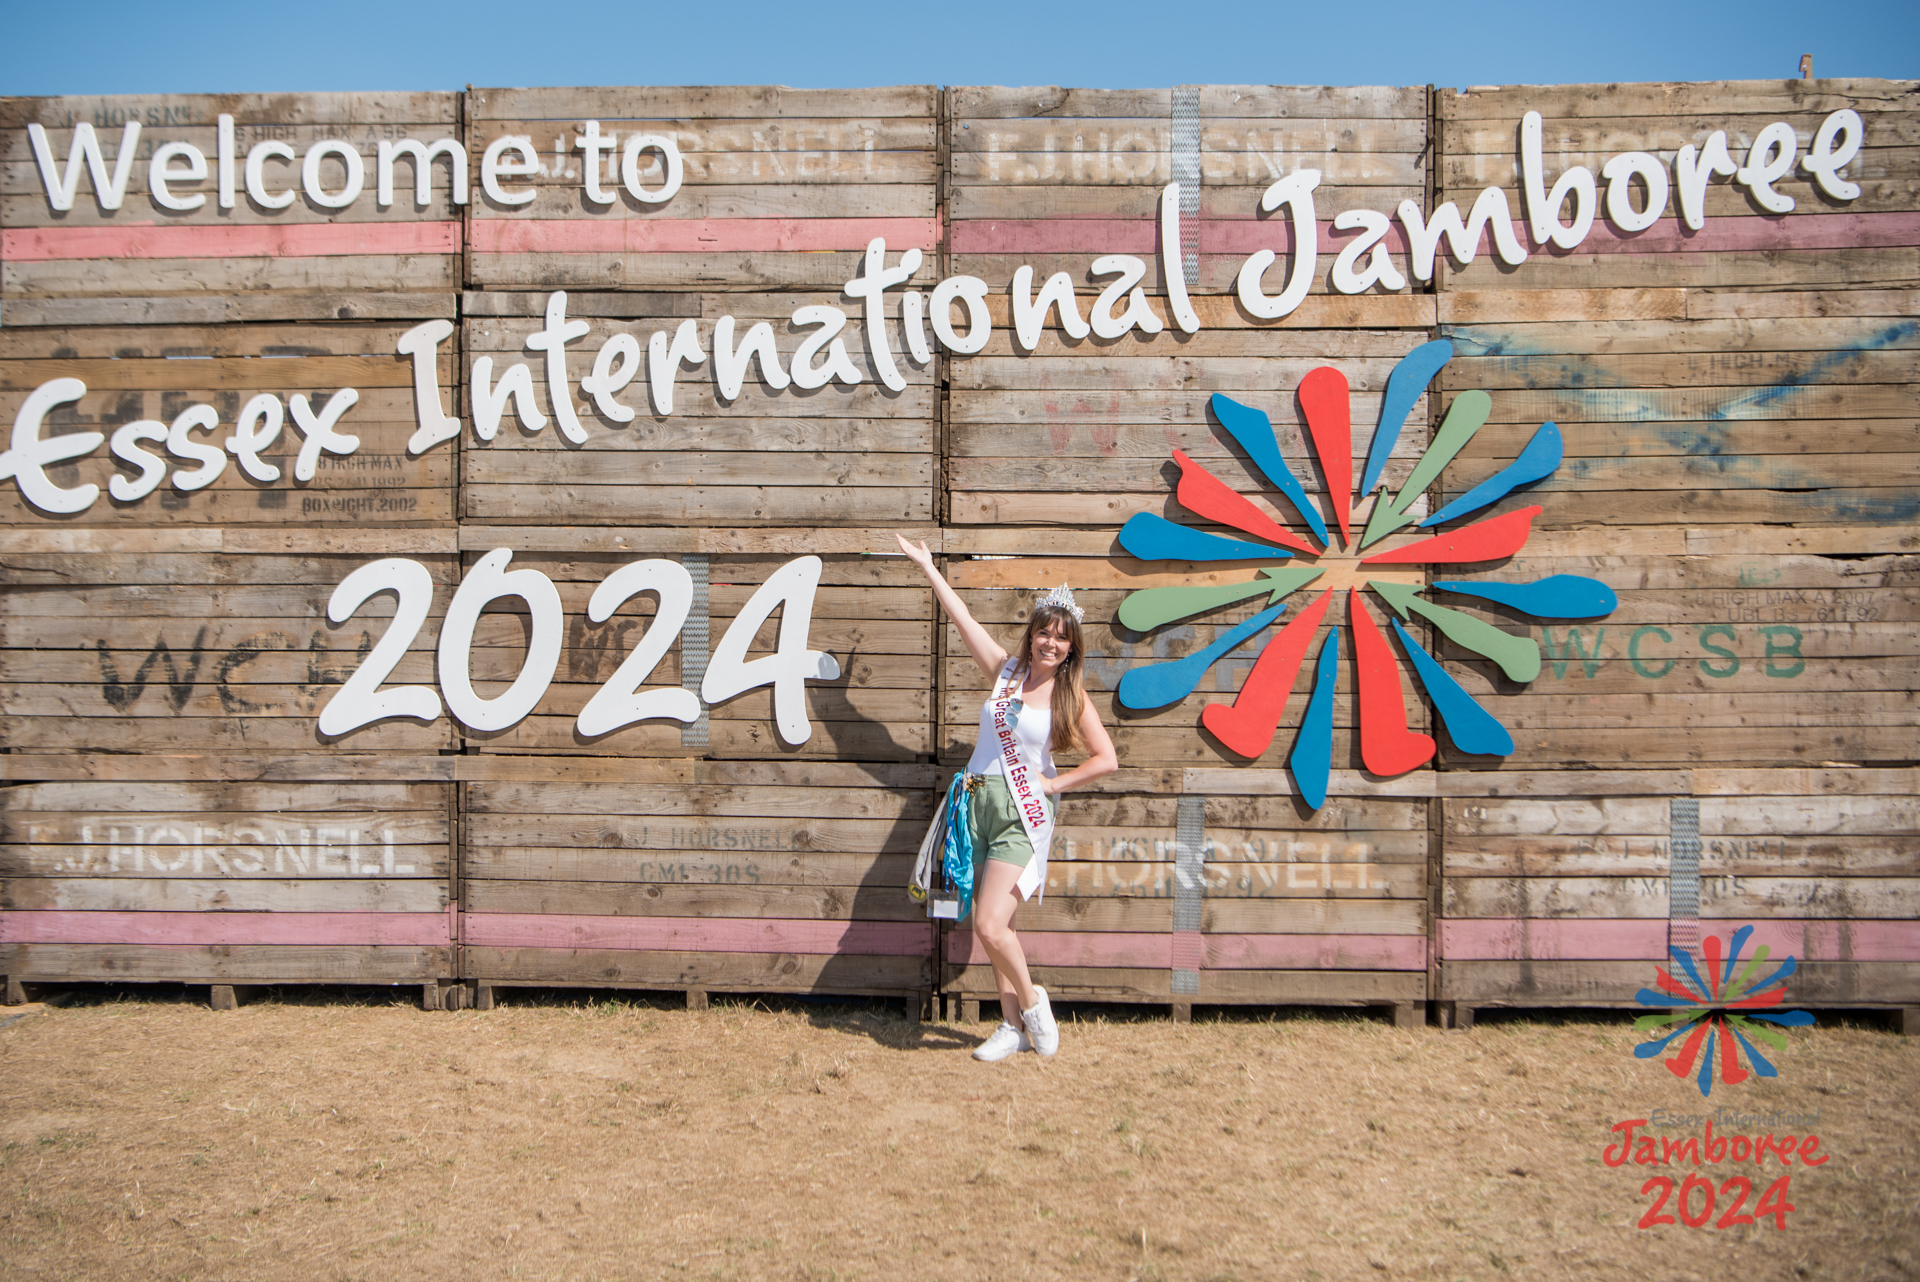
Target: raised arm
988,653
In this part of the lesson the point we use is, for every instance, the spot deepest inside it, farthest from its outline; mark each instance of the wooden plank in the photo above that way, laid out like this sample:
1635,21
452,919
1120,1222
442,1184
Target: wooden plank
562,798
1222,952
721,972
1729,898
759,903
1729,816
406,273
546,864
1657,132
236,963
1227,987
145,895
1649,856
209,829
203,309
1718,99
707,102
1614,983
1516,939
650,831
1837,336
999,102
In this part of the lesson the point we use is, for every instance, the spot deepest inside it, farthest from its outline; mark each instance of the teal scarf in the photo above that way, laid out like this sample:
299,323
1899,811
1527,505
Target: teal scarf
957,858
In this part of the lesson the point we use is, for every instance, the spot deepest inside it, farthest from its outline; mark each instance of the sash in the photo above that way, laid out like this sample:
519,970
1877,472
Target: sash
1023,776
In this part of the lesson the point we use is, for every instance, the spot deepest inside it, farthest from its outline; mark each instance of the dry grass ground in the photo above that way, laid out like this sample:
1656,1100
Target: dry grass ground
317,1137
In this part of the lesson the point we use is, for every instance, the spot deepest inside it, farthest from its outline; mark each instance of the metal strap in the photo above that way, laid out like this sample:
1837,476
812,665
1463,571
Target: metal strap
1683,875
1189,887
1186,172
693,648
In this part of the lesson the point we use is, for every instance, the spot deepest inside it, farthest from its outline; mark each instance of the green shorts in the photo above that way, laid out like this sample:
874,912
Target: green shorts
997,830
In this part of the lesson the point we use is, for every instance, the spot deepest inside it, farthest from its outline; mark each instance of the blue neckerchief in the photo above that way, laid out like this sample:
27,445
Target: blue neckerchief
957,857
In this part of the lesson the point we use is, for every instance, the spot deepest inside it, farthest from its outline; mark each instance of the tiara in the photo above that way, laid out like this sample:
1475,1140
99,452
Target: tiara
1062,597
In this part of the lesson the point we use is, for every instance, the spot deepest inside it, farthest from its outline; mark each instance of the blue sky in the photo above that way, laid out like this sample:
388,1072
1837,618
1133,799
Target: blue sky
224,46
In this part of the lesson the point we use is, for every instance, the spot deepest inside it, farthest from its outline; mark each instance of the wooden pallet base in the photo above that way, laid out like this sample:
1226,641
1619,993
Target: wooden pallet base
1457,1017
967,1009
478,994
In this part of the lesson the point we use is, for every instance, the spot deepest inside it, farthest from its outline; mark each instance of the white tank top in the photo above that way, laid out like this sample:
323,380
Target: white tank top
1032,729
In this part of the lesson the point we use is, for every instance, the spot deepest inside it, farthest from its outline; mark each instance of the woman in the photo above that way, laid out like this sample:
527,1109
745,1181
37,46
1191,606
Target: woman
1037,706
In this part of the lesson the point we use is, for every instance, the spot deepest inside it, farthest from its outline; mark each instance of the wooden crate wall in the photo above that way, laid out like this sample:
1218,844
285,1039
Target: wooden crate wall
1050,451
707,876
158,371
146,263
1289,905
149,684
194,653
782,188
1738,406
872,615
840,455
226,883
165,657
1055,177
1557,898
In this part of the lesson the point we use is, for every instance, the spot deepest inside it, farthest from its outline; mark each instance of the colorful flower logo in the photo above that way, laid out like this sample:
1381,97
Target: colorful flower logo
1719,1011
1387,745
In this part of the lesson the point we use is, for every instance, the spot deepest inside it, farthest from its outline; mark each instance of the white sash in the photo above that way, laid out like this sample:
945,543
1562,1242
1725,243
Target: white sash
1022,774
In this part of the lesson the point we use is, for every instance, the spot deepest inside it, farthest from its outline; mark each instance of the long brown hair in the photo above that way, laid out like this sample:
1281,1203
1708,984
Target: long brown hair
1069,690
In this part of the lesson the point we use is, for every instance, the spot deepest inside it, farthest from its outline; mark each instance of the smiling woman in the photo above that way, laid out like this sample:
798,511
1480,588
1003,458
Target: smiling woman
1038,705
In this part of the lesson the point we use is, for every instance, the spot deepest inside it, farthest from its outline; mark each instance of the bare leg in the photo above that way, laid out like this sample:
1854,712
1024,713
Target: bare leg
994,899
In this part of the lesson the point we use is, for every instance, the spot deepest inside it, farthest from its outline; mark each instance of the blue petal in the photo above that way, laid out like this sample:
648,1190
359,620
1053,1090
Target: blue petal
1790,1018
1155,538
1559,596
1536,462
1706,1064
1471,727
1739,942
1759,1061
1792,964
1312,759
1155,685
1404,386
1686,964
1254,430
1647,1050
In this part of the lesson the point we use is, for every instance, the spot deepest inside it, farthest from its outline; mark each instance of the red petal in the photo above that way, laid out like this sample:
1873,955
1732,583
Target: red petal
1482,541
1387,746
1247,725
1202,492
1324,402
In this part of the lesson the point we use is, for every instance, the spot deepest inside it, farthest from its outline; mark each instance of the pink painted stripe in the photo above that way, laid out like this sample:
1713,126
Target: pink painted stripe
1515,939
1240,236
1316,952
428,930
696,235
290,240
698,934
1071,948
1222,952
1745,232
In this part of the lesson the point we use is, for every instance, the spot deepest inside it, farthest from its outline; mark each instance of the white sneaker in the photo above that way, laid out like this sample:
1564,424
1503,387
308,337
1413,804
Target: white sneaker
1006,1040
1041,1029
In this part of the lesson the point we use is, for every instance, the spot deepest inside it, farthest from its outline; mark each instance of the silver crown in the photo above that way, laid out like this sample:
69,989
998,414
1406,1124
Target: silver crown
1062,597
